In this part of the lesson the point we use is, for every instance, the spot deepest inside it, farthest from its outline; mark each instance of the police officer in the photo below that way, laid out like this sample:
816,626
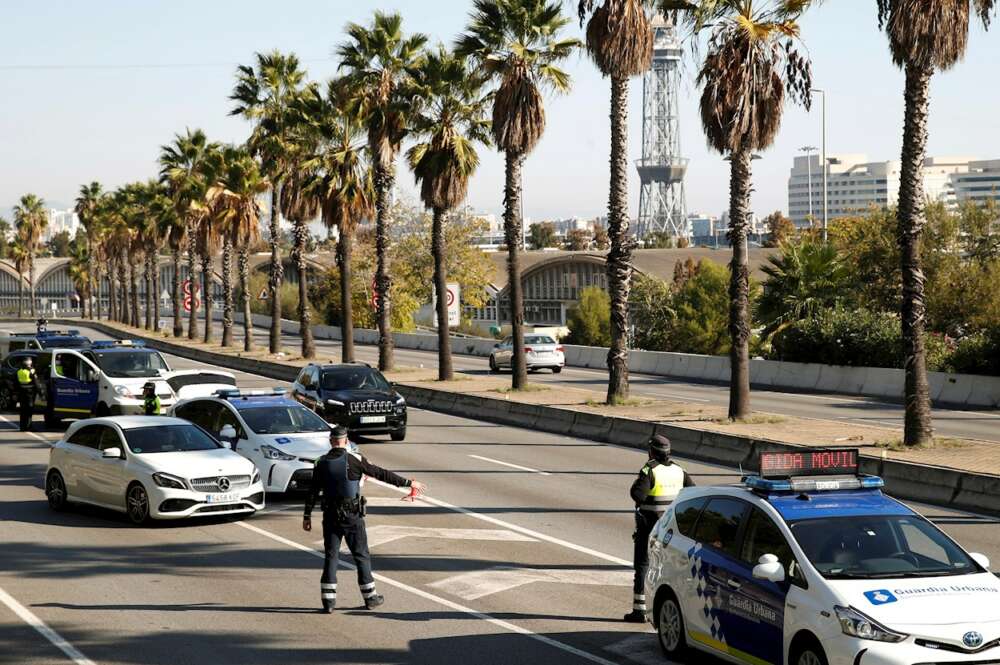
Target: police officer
338,476
150,401
653,491
26,393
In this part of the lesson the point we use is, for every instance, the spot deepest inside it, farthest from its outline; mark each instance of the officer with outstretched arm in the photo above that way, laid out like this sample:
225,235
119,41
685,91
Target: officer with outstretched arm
338,476
656,487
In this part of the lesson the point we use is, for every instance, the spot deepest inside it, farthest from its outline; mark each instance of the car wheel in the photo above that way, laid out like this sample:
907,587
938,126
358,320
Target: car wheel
137,504
810,653
556,370
55,491
670,628
494,368
398,435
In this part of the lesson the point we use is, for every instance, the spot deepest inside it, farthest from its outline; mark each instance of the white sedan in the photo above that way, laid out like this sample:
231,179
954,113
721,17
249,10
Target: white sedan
150,467
540,352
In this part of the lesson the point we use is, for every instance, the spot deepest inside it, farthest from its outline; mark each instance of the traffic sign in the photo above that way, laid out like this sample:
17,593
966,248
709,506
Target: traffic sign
263,294
454,300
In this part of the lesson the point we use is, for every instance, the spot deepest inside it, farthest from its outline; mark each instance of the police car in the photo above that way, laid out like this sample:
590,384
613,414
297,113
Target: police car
810,563
280,436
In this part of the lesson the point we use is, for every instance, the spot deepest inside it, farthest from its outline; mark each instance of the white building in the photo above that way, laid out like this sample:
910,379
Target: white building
979,183
702,226
59,221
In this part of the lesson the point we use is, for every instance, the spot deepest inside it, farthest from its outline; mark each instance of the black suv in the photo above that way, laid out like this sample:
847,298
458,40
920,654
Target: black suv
356,396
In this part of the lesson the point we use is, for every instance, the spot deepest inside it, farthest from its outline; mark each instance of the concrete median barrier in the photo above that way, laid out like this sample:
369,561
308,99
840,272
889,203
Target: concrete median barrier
632,433
590,426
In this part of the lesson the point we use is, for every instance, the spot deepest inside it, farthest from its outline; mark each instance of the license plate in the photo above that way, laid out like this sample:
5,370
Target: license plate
368,420
222,498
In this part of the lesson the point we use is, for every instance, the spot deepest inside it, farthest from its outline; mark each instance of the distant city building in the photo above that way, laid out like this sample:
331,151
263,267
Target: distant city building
702,227
854,184
59,221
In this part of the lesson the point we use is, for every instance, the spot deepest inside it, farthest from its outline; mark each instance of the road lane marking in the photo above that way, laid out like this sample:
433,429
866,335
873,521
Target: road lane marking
513,466
380,534
480,583
52,636
436,599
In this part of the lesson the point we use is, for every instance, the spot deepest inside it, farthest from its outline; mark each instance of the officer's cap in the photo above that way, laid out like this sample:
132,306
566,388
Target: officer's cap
338,432
659,444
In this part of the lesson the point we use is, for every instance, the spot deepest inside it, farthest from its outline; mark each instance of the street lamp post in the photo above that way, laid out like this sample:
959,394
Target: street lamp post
809,149
826,166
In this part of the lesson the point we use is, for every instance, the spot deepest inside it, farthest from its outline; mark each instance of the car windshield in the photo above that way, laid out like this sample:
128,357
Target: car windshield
354,378
130,364
539,339
880,546
283,420
168,439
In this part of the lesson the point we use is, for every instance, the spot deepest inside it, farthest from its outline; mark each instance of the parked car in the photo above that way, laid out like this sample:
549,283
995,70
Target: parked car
353,395
540,352
150,467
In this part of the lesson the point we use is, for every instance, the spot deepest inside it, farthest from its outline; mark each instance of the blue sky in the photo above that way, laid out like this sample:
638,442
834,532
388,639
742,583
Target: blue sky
60,127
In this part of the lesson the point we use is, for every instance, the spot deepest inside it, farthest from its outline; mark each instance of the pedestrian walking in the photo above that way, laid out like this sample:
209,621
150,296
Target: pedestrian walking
337,475
150,400
26,389
656,487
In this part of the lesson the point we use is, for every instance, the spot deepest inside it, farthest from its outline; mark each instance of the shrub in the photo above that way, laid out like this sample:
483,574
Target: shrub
589,321
702,312
977,354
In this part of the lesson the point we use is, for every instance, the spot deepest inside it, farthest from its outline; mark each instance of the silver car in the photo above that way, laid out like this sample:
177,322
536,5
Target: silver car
540,352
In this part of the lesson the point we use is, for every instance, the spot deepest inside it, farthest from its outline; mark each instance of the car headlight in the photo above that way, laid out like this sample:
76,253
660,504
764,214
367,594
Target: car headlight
167,480
270,452
256,477
334,402
122,391
858,625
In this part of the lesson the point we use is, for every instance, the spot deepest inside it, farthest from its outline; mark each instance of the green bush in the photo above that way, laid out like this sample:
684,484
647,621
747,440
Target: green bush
701,308
589,321
977,354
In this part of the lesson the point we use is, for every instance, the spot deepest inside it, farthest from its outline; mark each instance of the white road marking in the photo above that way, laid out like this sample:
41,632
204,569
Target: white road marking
480,583
513,466
52,636
438,599
513,527
641,648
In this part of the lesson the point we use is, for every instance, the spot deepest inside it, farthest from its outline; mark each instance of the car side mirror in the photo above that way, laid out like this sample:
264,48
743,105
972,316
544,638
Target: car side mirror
981,559
228,434
770,569
112,453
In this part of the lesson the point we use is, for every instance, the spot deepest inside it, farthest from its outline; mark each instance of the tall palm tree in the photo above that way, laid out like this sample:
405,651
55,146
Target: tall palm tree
450,119
31,219
182,169
264,96
376,60
620,41
517,44
751,63
234,204
301,207
164,219
20,255
345,187
924,37
80,267
86,209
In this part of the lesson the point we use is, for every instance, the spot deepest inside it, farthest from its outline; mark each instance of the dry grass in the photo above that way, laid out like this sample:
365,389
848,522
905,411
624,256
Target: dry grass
529,388
762,419
896,445
632,401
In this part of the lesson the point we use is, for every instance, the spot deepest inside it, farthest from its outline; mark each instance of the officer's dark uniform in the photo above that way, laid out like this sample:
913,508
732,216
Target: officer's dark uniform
653,491
150,400
26,395
338,476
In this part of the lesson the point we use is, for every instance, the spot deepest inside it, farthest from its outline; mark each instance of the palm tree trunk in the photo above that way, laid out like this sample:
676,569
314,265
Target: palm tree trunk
20,295
277,271
227,292
512,236
96,292
147,283
344,250
385,176
192,279
445,372
90,278
31,282
245,289
206,294
739,285
156,292
619,261
112,296
133,286
176,292
305,320
918,428
123,292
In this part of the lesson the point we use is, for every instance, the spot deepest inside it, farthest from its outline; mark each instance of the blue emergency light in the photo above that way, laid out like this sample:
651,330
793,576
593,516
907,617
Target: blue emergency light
812,484
116,343
228,393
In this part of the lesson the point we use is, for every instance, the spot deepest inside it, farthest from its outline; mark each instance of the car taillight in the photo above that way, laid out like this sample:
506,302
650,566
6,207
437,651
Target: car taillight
528,349
560,349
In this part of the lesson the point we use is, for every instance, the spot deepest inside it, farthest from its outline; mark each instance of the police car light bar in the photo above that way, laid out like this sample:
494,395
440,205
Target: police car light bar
228,393
812,484
112,343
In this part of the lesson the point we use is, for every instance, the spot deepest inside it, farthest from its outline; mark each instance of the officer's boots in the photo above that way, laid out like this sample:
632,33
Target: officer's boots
372,602
328,594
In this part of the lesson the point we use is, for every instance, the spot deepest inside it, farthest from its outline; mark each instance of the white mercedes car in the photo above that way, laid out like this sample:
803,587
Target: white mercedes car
150,467
540,352
816,570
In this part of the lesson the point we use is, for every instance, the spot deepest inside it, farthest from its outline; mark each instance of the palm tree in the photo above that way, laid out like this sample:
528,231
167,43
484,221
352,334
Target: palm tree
264,96
376,59
164,220
301,207
86,209
182,169
31,219
234,203
751,64
451,117
805,279
517,44
924,37
620,40
80,266
20,255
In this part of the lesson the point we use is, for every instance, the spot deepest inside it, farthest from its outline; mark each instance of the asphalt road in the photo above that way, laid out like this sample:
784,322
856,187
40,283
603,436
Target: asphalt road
520,553
972,424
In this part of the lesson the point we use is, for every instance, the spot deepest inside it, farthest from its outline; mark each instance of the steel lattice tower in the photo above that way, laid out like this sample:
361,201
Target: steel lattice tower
661,169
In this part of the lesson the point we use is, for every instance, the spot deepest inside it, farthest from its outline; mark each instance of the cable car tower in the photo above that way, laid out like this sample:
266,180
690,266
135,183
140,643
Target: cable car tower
662,168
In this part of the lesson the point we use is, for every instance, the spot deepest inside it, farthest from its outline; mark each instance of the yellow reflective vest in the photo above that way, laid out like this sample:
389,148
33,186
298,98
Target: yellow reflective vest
26,377
667,481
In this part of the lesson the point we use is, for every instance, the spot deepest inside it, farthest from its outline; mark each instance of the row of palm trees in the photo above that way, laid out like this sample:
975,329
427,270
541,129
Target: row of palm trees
331,151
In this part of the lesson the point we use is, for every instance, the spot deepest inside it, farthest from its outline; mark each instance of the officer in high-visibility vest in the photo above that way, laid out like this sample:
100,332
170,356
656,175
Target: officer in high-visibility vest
26,393
150,401
653,491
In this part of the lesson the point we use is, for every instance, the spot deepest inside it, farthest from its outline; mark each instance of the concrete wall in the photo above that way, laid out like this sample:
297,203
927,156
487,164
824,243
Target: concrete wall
962,390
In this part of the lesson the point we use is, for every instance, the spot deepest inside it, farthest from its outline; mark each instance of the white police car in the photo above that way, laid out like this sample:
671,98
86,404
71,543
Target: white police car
280,436
802,567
